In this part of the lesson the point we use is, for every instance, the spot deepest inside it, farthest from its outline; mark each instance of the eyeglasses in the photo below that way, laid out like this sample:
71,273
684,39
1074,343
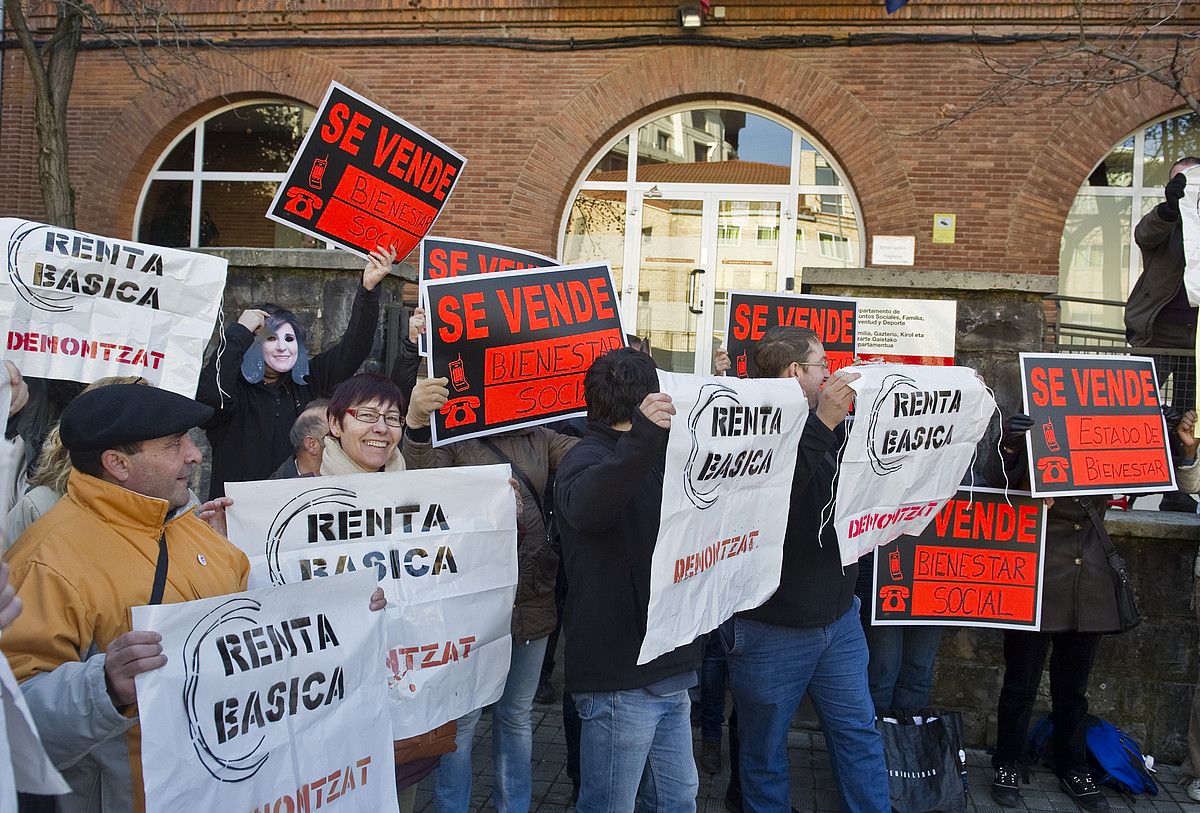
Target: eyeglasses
823,363
370,416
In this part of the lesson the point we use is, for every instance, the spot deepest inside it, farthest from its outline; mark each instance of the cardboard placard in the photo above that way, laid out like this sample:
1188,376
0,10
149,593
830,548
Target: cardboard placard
364,177
442,257
515,346
1098,425
79,306
832,318
906,331
978,564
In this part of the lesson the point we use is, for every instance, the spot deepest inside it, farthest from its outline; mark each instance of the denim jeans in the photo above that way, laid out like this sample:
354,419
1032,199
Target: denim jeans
771,667
512,742
636,752
900,671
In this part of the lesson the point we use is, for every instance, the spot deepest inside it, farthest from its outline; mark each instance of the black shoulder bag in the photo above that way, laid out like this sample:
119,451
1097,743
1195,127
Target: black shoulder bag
160,571
524,478
1128,613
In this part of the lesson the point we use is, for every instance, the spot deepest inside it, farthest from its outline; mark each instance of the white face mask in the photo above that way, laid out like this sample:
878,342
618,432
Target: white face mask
281,350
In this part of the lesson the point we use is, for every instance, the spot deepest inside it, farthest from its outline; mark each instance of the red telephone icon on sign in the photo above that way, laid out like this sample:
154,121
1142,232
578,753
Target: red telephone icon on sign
893,596
302,203
1054,469
460,411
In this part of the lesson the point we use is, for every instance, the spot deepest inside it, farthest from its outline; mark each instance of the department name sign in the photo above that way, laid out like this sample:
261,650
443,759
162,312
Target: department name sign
364,177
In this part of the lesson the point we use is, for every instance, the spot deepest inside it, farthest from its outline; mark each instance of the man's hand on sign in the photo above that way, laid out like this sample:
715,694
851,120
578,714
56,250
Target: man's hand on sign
213,513
416,324
721,362
658,408
253,319
1174,193
427,397
1012,438
836,397
10,605
128,656
378,266
378,600
18,388
1187,434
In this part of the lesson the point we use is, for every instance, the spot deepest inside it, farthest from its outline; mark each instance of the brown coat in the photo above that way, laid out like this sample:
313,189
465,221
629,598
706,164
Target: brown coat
1077,588
537,451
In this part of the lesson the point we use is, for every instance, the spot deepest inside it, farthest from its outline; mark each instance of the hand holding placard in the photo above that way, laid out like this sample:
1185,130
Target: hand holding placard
378,266
657,407
427,397
835,398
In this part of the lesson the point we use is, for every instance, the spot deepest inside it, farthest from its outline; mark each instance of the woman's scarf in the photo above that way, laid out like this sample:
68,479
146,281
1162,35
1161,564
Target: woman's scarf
336,461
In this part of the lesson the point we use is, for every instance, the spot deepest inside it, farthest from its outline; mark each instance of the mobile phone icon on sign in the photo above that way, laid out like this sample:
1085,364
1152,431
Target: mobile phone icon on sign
458,376
1051,438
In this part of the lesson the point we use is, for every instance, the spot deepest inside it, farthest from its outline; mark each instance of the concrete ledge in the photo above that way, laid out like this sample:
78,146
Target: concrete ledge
1153,525
304,259
927,281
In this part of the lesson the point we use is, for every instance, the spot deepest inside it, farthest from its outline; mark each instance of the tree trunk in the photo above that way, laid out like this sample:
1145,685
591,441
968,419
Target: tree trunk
54,177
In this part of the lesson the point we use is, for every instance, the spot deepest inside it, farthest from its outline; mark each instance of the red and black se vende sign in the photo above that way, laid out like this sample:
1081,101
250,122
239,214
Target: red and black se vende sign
516,346
832,318
364,178
442,257
978,564
1098,425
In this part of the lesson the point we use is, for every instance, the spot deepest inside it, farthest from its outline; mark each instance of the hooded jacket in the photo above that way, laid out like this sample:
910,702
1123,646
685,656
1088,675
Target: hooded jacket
248,431
1161,242
78,570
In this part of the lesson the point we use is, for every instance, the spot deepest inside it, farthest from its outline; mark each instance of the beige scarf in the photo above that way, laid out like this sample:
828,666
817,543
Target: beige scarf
336,461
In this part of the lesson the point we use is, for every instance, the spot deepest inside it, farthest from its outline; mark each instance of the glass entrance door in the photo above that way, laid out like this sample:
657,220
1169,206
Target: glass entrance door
692,251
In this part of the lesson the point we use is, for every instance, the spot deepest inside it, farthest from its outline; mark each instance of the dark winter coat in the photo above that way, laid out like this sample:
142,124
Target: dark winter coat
608,497
249,429
537,451
1161,242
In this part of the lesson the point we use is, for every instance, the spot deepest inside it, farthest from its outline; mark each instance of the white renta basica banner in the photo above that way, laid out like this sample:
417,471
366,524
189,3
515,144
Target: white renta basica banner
79,307
913,437
268,697
1189,213
727,486
443,545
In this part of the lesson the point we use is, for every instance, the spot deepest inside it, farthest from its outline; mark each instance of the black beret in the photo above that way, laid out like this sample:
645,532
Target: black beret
120,414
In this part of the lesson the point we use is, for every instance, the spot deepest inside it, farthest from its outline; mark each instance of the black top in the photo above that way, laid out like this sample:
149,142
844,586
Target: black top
608,496
249,428
814,589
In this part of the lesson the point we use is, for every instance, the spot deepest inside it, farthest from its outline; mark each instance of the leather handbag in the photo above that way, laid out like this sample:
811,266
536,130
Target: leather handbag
1129,615
430,744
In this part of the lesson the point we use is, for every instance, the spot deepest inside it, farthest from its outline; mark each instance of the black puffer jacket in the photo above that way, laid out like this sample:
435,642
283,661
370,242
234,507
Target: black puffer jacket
1161,242
249,428
537,451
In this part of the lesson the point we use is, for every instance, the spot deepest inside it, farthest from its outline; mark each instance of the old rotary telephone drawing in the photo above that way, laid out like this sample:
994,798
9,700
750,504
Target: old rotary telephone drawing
1054,469
302,203
460,411
893,596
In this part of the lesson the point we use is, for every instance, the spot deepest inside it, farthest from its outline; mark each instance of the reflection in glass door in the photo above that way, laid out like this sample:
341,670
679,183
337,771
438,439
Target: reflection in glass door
746,257
671,291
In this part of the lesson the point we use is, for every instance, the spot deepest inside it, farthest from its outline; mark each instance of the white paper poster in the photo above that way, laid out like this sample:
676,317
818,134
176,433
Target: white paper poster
268,697
443,545
79,307
726,490
1189,213
906,331
887,249
912,440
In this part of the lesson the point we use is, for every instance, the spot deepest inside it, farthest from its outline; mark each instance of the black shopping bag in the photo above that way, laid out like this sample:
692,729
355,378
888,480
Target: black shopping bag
925,759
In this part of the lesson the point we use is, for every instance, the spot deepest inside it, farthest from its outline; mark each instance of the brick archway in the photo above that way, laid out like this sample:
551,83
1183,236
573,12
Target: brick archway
150,121
1040,207
671,76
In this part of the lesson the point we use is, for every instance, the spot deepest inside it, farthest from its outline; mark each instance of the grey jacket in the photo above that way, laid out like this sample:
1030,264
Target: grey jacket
1161,242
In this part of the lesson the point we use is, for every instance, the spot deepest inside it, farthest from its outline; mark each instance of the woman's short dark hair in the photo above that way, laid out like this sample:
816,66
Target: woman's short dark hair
780,346
617,383
361,389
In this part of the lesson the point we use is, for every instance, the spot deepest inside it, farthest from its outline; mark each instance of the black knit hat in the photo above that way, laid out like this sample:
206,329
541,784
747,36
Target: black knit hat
121,414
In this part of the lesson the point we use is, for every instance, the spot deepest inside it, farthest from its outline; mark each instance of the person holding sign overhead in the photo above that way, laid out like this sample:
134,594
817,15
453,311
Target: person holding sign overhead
263,378
1078,606
1188,473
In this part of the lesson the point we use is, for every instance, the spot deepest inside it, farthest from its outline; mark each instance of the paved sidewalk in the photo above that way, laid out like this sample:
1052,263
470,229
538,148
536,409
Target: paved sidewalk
812,782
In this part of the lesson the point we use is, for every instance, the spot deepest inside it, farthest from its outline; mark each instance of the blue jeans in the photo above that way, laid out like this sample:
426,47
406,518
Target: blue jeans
901,669
512,742
636,752
771,667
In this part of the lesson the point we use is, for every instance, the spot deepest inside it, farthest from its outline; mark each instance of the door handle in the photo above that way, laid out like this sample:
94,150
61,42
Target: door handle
692,299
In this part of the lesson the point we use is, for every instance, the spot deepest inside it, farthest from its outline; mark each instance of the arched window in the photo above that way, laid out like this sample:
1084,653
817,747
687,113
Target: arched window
1098,259
213,184
694,202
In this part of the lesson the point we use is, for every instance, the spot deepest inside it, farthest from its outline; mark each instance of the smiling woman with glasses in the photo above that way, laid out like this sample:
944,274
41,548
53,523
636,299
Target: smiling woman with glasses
365,420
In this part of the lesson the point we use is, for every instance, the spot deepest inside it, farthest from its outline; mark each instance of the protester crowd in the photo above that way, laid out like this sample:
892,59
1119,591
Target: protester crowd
110,522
